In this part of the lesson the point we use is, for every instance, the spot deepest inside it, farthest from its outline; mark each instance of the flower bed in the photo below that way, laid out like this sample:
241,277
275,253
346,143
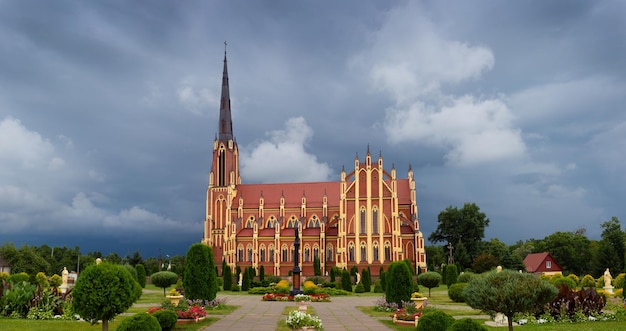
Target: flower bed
298,320
190,310
285,297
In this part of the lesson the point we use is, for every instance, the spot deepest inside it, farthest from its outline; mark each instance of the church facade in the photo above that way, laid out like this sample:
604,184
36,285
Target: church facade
367,218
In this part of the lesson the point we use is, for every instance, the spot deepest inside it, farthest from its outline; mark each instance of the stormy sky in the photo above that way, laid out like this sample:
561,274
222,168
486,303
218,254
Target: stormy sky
108,110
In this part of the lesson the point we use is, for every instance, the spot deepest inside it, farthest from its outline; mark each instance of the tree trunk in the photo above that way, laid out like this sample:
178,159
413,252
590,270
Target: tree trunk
105,325
510,320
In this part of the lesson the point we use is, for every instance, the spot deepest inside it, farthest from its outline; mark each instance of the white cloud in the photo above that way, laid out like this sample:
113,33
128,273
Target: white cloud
283,158
474,131
195,98
22,147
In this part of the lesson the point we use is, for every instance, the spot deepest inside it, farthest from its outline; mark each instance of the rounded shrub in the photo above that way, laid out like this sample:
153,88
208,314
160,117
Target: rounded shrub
570,283
455,292
466,277
429,279
167,319
163,279
359,288
18,278
451,273
378,286
618,282
42,279
140,322
435,321
346,282
588,281
466,324
55,280
574,277
141,275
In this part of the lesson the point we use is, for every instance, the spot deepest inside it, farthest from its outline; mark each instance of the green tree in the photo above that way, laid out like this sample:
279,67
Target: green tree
224,266
429,279
317,268
465,225
200,280
261,273
141,275
346,282
382,275
484,262
451,274
104,291
228,278
135,259
163,279
611,250
24,259
399,283
366,280
571,249
508,292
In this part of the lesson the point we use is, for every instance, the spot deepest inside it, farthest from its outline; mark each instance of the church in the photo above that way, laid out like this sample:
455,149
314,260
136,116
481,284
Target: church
367,218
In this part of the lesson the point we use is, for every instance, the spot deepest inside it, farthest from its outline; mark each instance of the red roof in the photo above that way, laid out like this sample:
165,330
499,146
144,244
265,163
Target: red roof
536,262
292,192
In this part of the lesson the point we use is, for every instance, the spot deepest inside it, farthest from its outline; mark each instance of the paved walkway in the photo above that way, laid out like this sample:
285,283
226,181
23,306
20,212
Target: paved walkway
255,314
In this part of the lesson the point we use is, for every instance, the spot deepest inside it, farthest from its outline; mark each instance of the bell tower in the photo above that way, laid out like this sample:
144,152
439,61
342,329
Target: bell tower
223,179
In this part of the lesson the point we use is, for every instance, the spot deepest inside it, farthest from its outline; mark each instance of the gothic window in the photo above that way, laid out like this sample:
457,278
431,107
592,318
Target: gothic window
250,222
284,254
363,251
375,220
363,223
316,251
271,253
291,223
307,253
314,222
329,252
249,249
387,251
221,160
271,222
262,253
351,252
240,253
375,250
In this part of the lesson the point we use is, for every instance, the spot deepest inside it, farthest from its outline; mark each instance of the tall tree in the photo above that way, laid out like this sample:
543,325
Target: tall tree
465,225
611,247
199,279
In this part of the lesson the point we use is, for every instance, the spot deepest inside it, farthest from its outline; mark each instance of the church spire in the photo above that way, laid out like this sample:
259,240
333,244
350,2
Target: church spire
225,123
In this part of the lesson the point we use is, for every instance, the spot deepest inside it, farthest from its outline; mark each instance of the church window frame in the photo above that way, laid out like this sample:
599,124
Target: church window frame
363,251
363,220
329,253
262,253
314,222
291,222
240,255
375,251
271,222
271,252
387,251
249,253
316,251
307,253
351,256
284,253
250,223
375,225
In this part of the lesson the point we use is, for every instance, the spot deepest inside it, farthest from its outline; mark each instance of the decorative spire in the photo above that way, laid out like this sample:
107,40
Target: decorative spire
225,122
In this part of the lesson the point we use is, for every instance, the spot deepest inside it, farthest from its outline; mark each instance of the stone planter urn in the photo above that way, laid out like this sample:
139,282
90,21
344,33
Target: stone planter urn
302,305
419,302
174,299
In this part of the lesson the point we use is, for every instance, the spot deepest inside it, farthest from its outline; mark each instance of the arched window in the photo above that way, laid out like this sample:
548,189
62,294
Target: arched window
249,249
262,253
271,222
375,250
291,223
271,253
314,222
250,222
329,252
284,253
363,222
387,251
307,253
363,251
375,220
351,252
240,253
316,251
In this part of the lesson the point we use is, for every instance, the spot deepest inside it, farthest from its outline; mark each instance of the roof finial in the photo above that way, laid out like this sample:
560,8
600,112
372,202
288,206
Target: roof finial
225,44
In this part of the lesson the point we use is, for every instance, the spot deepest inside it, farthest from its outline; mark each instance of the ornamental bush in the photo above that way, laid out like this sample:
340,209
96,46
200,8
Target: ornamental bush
141,275
588,281
455,292
366,280
466,324
378,287
399,283
466,277
228,278
140,322
20,277
199,278
618,282
103,291
42,280
567,281
429,280
575,278
359,288
435,321
451,274
346,282
163,279
55,280
167,319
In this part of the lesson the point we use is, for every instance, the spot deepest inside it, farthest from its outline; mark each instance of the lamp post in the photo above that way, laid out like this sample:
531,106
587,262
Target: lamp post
296,267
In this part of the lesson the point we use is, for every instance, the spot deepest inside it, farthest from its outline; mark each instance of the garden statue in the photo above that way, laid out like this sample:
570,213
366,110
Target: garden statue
607,278
64,275
358,278
240,279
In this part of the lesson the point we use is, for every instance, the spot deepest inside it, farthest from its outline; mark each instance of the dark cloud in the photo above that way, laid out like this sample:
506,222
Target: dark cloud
108,110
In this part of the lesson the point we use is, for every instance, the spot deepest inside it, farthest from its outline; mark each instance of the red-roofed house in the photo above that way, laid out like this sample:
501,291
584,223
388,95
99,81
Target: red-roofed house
542,263
369,217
